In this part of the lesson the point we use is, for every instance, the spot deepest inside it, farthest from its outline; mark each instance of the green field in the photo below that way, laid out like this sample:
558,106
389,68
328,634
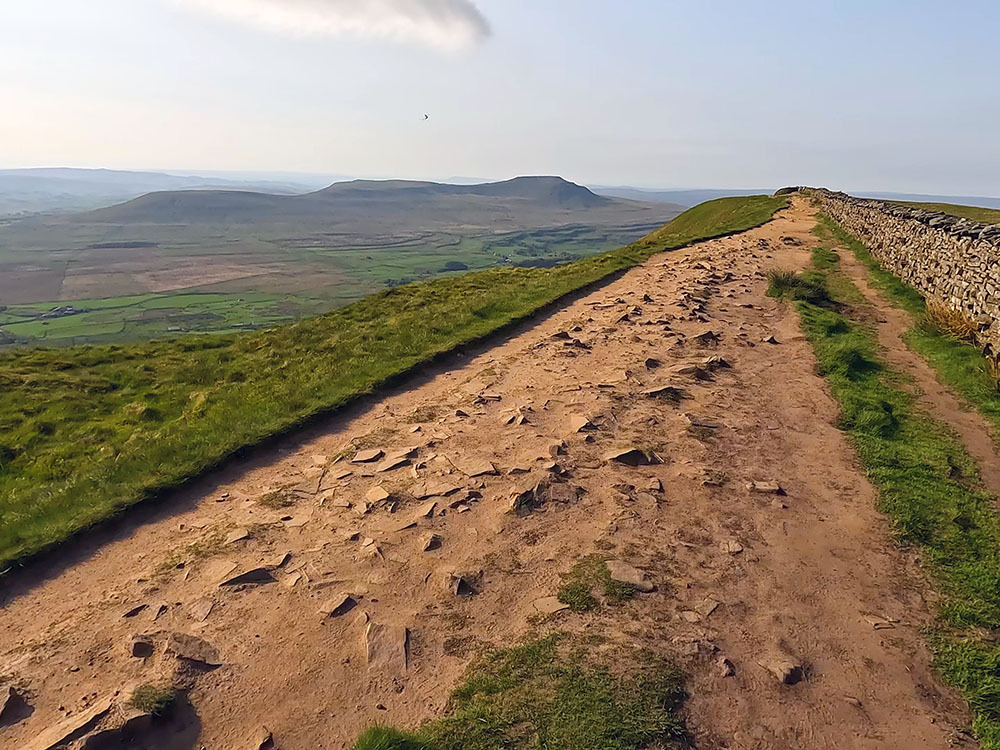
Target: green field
984,215
307,279
86,432
147,316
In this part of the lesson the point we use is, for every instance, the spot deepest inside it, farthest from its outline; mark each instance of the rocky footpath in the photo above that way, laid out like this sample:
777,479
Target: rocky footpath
669,424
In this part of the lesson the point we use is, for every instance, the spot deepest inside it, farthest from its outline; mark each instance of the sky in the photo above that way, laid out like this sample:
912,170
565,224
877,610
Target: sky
899,95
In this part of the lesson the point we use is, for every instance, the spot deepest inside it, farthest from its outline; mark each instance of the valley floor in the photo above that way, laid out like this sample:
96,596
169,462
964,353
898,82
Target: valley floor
745,579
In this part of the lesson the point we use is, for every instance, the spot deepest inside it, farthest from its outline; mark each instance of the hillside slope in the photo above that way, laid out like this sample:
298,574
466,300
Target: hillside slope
89,431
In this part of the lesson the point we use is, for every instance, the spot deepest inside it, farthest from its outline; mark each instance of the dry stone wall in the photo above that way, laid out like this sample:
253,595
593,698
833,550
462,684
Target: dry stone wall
953,260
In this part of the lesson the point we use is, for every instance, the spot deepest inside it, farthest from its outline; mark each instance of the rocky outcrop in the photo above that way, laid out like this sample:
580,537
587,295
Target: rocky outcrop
953,260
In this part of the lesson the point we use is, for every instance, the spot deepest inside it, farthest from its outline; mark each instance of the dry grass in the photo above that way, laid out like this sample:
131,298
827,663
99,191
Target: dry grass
993,370
947,321
939,318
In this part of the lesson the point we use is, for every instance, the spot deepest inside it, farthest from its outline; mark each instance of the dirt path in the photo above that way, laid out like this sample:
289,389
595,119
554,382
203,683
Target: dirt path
741,575
970,426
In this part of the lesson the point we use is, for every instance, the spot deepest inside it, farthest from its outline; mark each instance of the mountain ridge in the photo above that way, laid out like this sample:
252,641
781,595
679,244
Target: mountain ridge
548,193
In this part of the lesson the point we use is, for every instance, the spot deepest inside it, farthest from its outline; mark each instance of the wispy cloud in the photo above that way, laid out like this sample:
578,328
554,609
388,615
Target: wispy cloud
443,24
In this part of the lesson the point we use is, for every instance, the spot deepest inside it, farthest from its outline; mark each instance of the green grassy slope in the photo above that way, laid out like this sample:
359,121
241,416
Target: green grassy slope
984,215
88,431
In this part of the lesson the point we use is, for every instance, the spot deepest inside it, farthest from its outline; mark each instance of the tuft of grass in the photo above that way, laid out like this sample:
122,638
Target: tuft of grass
387,738
74,451
554,693
276,500
578,595
153,699
946,321
804,287
928,487
590,574
190,554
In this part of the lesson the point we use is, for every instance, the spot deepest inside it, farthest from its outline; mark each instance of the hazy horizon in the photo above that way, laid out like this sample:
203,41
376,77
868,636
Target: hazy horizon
647,95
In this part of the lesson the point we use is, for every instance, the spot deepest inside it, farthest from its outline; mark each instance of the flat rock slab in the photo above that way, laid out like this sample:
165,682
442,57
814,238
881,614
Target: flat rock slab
367,456
192,648
71,728
256,576
237,535
434,489
622,572
628,457
337,606
408,452
766,488
707,606
219,570
479,469
201,609
386,648
377,495
785,669
430,542
549,605
426,510
390,464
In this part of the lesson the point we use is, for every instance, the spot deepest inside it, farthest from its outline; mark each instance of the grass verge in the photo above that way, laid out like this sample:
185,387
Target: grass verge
554,693
959,364
928,487
88,431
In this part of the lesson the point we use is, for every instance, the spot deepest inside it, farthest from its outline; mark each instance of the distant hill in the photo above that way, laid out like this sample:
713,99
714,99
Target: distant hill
685,198
688,198
522,201
259,258
547,191
25,191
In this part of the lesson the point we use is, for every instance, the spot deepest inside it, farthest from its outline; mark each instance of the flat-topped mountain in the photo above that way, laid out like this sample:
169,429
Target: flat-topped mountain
517,201
327,246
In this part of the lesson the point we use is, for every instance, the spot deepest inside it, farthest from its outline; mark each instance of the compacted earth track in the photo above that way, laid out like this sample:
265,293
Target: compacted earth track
349,575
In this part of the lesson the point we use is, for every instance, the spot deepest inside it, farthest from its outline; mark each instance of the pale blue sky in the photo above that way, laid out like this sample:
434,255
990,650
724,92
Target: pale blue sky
891,95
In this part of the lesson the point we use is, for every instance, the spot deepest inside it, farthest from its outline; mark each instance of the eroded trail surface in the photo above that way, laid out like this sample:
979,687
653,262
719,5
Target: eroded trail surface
344,610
